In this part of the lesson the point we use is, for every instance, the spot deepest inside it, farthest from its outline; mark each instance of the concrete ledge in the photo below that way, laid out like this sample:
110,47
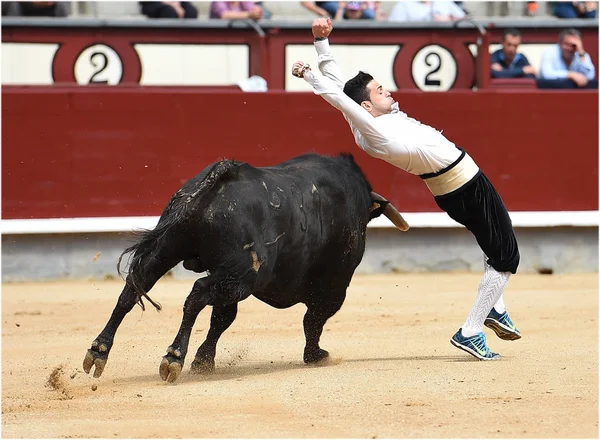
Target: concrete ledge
42,257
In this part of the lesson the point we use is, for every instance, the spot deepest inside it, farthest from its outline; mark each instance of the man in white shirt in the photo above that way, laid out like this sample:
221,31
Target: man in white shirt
456,182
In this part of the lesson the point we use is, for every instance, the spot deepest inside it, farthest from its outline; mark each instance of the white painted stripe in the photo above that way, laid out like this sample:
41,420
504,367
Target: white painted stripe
27,63
193,64
522,219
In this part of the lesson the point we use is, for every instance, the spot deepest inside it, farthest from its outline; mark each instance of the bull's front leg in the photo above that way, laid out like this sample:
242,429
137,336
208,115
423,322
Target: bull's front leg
97,355
318,312
172,363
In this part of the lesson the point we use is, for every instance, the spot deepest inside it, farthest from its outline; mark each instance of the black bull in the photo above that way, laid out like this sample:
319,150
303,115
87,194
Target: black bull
287,234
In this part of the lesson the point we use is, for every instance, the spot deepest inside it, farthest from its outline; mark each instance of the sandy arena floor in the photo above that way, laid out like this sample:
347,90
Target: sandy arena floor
393,372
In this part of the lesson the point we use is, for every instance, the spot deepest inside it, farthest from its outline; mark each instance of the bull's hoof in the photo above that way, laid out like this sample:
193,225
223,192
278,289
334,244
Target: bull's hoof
171,365
96,356
313,356
202,365
170,368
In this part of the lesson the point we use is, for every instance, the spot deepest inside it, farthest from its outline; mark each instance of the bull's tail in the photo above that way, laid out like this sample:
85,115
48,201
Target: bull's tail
141,251
149,243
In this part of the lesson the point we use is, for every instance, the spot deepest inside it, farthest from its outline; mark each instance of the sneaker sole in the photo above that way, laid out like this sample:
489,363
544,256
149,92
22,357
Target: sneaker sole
473,353
502,331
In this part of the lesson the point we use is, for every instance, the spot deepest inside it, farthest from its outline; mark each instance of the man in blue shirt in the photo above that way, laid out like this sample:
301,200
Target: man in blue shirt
567,64
507,62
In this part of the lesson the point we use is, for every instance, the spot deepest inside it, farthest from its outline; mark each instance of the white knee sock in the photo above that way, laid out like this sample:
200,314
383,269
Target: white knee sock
499,306
490,292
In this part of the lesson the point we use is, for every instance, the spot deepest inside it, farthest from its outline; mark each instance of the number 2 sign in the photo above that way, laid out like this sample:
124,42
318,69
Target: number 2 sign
434,68
98,64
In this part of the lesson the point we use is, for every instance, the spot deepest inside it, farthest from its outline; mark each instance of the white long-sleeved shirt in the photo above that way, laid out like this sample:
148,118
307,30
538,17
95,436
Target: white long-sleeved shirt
394,137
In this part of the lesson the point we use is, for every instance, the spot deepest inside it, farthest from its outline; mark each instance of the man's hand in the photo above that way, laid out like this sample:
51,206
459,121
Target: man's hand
256,13
298,69
578,78
529,70
497,67
579,46
322,27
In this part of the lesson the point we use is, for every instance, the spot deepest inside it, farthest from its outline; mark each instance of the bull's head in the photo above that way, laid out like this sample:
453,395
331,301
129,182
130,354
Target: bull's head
382,206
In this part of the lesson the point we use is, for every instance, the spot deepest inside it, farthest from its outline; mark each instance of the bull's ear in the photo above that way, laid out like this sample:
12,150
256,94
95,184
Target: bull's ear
389,210
377,209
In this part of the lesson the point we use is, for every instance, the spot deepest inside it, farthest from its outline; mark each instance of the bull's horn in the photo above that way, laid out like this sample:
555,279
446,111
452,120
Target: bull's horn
391,212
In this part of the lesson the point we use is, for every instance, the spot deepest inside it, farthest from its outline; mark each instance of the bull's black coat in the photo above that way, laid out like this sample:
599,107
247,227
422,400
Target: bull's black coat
287,234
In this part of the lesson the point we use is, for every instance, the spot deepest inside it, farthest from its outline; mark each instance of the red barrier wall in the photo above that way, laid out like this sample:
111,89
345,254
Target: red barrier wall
79,152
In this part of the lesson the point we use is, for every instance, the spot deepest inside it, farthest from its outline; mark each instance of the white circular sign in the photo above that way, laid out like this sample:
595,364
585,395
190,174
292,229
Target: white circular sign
434,68
98,64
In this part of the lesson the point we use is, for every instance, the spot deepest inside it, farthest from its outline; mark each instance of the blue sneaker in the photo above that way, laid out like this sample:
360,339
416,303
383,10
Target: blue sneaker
474,345
502,325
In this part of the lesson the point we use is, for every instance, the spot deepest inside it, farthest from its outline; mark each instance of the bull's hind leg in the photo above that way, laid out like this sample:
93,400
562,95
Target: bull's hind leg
97,355
172,363
320,309
221,319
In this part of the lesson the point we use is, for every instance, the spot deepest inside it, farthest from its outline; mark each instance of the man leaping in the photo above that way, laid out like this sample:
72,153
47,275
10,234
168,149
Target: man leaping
458,185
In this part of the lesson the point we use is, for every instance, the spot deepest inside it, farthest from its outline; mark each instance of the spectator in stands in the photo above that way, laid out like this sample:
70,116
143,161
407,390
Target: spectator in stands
566,64
236,10
168,10
426,11
325,9
35,9
507,62
360,10
575,9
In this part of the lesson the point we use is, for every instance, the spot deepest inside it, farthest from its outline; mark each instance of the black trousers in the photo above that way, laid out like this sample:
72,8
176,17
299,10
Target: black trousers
478,206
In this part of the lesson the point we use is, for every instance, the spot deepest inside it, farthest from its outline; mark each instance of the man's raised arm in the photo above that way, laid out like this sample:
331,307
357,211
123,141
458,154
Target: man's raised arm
321,28
358,117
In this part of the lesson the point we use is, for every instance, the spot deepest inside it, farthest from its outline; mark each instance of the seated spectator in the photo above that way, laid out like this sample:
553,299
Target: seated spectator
566,64
236,10
168,10
324,9
360,10
507,62
575,9
426,11
35,9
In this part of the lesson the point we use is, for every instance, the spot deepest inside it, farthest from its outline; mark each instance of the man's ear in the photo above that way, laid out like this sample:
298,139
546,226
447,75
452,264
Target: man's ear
367,105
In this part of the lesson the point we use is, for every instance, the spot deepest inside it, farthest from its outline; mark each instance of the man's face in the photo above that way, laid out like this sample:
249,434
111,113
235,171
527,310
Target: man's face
568,46
510,46
380,99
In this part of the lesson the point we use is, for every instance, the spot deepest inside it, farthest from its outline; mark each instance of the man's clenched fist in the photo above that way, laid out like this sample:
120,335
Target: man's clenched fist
321,27
298,69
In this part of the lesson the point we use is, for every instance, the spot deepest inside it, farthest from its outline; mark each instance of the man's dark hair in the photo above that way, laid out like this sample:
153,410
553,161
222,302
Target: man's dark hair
512,31
356,88
569,31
